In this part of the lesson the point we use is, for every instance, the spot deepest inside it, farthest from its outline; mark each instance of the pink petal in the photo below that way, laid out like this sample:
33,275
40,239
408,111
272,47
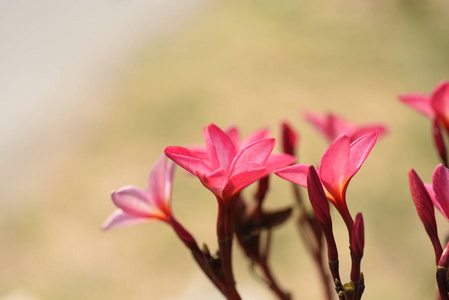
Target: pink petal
440,185
220,147
440,100
242,177
361,131
254,153
359,151
186,159
134,201
333,167
296,174
278,160
420,102
120,219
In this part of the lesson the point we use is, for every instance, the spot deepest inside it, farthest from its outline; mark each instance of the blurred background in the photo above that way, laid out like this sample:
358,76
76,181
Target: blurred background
92,91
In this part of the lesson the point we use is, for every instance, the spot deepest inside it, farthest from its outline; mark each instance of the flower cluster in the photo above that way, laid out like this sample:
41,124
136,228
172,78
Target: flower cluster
226,165
428,196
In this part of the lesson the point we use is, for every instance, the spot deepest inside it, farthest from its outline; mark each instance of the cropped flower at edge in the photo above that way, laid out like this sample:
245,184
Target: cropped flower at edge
227,170
332,126
137,206
339,164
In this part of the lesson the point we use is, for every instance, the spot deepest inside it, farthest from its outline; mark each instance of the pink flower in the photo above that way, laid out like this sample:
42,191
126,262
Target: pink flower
339,164
439,190
229,167
434,106
137,206
332,126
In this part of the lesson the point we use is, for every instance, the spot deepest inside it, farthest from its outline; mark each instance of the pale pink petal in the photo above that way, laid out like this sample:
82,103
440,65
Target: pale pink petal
359,151
254,153
220,147
157,182
186,159
120,219
242,177
420,102
254,137
440,185
296,174
134,201
333,167
279,160
440,100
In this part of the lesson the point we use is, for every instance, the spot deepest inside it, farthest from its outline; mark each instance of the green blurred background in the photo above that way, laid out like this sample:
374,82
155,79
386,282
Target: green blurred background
252,64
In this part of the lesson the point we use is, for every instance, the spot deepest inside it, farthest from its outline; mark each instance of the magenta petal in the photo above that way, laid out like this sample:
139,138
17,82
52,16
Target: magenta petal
367,129
254,153
242,177
359,151
440,185
186,159
420,102
220,147
119,218
333,167
440,100
425,210
296,174
133,201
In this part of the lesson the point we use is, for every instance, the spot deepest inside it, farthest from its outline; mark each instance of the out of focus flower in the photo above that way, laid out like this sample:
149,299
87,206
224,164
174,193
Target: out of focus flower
331,126
434,106
137,206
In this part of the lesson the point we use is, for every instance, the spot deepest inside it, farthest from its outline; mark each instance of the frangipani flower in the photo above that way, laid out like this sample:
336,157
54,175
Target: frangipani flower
434,106
137,206
339,164
227,169
332,126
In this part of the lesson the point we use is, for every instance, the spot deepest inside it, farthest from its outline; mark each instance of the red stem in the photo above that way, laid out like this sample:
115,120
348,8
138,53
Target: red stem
225,233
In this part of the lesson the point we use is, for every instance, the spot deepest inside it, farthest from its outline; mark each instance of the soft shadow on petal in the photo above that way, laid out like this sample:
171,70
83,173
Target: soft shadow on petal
133,201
